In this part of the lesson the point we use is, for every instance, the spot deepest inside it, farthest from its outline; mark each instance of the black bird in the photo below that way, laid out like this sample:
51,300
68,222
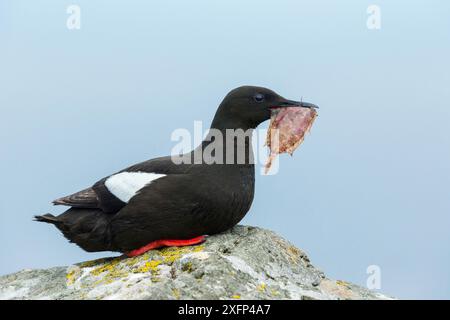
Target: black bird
160,202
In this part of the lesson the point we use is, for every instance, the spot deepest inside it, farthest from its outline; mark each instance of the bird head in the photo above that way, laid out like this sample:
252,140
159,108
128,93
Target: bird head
247,106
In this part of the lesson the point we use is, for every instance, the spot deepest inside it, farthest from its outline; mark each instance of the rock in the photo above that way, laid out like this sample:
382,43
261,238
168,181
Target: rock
243,263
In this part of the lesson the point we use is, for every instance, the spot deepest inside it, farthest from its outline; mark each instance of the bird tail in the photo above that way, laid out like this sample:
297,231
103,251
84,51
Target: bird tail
48,218
88,228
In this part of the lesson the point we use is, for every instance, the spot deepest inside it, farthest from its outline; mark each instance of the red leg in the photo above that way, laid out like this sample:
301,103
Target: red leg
165,243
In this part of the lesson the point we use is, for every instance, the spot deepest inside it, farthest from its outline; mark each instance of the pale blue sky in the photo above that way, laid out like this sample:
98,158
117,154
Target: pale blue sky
369,186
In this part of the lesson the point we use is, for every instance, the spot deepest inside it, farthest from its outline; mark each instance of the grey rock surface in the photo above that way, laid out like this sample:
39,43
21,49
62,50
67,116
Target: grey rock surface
243,263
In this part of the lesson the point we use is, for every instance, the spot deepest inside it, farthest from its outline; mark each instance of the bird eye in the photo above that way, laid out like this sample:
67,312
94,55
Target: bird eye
259,97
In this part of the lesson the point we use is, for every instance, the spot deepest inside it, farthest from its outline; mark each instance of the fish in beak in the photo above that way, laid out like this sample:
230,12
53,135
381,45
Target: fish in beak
289,122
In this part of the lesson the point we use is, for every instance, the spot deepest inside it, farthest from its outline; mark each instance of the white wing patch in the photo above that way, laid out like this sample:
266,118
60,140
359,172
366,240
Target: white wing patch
125,185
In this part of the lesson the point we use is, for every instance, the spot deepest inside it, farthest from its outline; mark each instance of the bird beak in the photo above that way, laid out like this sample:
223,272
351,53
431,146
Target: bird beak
292,103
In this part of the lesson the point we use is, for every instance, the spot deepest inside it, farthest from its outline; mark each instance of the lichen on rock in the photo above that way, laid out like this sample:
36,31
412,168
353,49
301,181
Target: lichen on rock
242,263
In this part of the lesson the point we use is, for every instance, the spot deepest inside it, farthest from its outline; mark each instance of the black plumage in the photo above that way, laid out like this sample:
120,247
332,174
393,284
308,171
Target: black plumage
190,200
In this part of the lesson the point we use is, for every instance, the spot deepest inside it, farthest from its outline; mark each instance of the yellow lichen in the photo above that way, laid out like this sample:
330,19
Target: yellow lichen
106,267
131,262
70,277
343,283
236,296
176,293
110,271
149,266
120,267
198,248
172,254
275,292
261,287
93,263
96,283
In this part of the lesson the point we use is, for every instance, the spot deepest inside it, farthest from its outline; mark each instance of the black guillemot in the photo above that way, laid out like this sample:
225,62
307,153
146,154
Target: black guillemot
160,202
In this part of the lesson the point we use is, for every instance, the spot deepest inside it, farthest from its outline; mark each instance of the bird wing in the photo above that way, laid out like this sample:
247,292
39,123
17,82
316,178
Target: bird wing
112,193
169,208
86,198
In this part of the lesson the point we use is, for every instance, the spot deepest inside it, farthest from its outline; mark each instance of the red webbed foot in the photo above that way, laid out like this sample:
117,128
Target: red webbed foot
165,243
